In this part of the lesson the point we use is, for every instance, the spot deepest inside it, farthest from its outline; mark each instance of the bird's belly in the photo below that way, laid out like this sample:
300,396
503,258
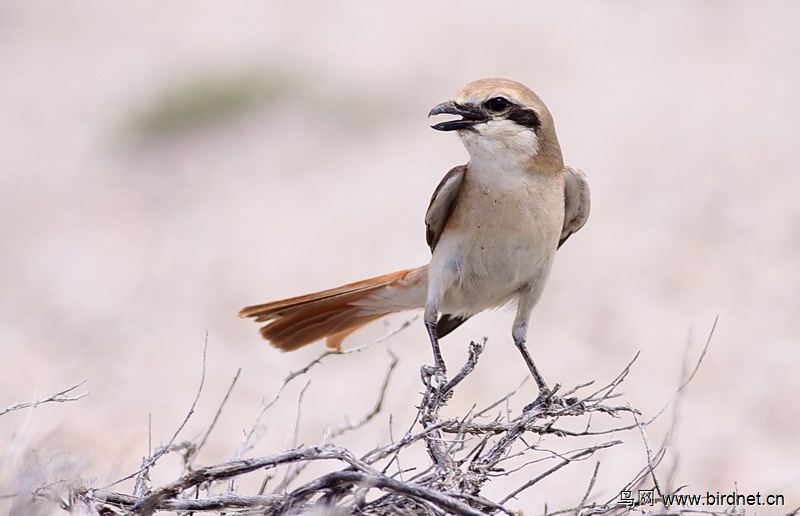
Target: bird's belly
488,272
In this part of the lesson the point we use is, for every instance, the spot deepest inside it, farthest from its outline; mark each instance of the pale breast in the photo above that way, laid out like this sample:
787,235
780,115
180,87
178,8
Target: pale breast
501,236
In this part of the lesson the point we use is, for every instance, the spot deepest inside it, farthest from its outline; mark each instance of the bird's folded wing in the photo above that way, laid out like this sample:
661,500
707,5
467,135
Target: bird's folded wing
577,202
441,205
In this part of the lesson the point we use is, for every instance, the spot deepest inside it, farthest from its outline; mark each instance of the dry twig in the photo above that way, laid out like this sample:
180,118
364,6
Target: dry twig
59,397
463,455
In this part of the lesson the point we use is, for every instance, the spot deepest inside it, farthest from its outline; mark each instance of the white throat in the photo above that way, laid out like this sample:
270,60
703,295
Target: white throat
500,143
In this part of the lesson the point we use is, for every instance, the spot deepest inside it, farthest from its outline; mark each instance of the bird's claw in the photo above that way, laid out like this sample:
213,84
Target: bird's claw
547,399
437,373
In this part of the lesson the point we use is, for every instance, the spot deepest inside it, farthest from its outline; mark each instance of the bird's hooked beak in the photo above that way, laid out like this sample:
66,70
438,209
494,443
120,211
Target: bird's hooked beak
470,116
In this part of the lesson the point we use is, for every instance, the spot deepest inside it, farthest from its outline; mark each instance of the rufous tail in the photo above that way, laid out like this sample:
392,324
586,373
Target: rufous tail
336,313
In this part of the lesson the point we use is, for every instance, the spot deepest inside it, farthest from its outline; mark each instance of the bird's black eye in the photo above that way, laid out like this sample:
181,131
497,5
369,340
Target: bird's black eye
497,104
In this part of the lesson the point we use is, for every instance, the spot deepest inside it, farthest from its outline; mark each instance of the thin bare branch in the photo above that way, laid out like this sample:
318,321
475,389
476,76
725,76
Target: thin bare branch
376,409
688,380
204,439
588,489
651,466
161,451
567,460
59,397
253,434
295,468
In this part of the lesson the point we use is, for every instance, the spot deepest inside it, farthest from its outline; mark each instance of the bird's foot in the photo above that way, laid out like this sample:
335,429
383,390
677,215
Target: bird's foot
435,374
548,399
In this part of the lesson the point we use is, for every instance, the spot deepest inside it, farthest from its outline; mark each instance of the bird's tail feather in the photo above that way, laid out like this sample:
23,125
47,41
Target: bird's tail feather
332,314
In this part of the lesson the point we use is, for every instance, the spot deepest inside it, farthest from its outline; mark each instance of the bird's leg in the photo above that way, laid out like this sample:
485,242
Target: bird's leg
431,313
546,395
544,390
519,332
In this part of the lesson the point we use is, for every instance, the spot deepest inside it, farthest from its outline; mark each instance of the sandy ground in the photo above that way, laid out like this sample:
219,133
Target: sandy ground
122,241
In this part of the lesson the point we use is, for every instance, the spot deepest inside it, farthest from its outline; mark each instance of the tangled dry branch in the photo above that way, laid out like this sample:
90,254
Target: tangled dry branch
462,456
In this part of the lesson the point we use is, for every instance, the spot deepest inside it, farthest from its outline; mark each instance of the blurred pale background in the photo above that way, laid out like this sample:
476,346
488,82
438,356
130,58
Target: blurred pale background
163,165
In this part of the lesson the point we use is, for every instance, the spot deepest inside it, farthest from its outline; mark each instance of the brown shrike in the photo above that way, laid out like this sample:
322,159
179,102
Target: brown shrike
493,226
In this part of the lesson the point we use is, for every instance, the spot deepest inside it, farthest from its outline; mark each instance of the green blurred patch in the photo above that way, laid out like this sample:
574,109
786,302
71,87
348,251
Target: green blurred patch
204,100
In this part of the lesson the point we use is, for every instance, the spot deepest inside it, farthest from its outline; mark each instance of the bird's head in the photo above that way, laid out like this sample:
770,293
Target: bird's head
502,120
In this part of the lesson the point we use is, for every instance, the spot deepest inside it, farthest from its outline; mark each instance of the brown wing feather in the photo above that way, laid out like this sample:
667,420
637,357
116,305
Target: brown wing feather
441,205
577,202
439,210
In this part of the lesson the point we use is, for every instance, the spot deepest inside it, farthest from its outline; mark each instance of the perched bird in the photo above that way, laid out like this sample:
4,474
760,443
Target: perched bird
493,227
